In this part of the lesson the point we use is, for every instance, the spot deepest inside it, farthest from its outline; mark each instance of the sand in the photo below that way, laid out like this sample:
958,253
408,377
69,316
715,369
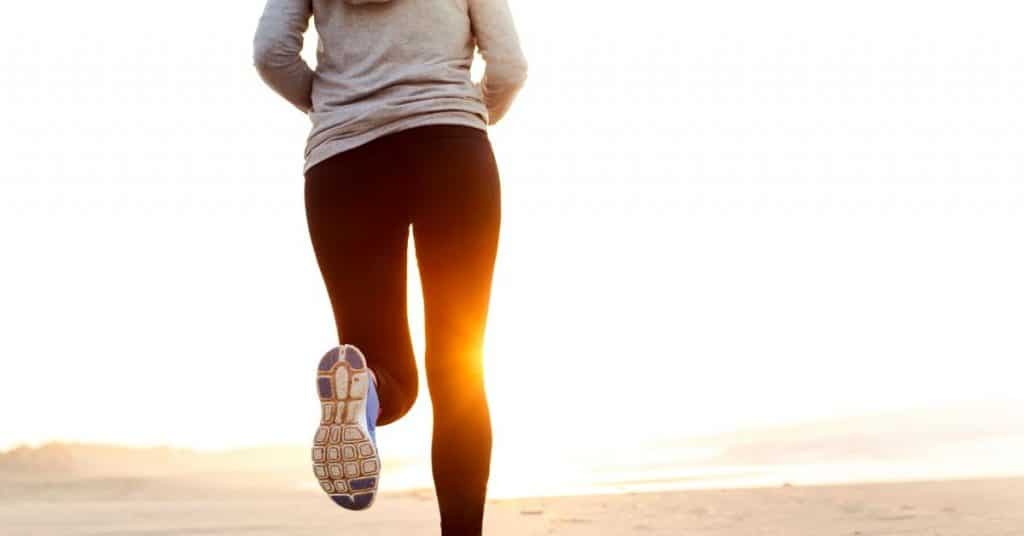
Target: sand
992,507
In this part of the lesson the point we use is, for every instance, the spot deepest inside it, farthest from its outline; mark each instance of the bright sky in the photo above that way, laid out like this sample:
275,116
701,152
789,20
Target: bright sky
716,215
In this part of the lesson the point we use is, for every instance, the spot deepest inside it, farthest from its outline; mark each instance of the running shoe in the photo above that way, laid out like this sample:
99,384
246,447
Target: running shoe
345,459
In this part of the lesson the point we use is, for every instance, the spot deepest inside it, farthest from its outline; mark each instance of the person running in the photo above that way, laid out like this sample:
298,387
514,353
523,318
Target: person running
399,140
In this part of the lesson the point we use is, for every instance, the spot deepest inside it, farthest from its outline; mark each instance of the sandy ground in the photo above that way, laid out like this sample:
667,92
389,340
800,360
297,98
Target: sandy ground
949,508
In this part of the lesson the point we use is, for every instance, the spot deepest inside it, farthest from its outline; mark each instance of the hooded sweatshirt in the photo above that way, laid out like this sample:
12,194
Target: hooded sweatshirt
388,65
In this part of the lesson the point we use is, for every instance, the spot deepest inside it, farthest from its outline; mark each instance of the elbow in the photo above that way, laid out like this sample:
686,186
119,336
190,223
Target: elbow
509,75
268,55
262,57
516,73
518,80
262,47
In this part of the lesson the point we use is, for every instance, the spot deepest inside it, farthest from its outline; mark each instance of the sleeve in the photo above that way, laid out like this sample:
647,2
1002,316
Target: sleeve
498,41
276,48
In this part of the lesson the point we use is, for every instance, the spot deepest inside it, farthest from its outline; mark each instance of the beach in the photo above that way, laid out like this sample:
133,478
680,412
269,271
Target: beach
981,507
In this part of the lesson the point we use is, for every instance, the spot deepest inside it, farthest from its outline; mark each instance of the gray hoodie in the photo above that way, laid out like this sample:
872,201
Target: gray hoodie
387,65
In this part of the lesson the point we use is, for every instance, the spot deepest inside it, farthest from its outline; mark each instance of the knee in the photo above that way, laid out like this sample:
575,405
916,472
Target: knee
456,391
397,396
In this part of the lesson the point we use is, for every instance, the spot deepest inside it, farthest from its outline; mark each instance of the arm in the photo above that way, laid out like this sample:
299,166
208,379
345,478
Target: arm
276,48
498,41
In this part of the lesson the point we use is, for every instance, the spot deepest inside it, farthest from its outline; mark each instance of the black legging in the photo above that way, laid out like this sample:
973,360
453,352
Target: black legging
443,181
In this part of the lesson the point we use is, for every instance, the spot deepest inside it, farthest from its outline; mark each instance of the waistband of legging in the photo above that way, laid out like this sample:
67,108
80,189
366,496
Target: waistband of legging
441,131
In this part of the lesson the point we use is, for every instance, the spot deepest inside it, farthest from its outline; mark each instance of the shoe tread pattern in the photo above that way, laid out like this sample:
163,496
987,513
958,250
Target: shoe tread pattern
345,461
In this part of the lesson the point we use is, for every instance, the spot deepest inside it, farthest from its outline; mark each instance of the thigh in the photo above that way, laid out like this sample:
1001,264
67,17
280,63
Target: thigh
359,226
456,222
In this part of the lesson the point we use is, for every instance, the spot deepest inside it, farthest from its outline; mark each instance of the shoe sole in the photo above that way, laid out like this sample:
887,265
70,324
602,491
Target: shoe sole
345,461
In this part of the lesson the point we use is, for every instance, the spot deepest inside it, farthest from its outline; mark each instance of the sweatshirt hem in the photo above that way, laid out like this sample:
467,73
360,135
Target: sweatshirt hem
330,148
